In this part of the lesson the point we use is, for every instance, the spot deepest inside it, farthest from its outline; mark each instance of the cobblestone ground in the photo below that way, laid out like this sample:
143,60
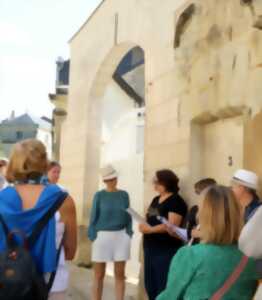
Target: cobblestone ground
81,281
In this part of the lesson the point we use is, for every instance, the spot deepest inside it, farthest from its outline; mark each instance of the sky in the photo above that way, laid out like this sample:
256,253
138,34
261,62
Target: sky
33,34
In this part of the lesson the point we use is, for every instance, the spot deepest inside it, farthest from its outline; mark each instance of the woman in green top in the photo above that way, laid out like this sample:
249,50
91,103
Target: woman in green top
197,272
110,230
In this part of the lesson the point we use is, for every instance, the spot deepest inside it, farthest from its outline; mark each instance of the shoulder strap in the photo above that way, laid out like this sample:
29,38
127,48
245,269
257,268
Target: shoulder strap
45,219
53,274
232,279
5,228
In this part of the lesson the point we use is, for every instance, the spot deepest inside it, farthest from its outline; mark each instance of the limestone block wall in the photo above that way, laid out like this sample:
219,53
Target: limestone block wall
218,51
96,50
203,64
253,145
217,149
218,80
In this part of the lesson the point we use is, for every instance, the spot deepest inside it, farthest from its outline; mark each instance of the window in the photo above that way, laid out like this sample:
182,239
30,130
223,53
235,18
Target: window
19,135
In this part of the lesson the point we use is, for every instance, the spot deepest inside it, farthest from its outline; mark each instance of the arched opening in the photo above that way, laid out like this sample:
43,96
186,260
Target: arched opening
122,137
116,131
217,148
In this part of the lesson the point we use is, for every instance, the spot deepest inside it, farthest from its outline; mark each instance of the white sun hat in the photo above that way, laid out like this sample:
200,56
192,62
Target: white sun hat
246,178
4,159
109,172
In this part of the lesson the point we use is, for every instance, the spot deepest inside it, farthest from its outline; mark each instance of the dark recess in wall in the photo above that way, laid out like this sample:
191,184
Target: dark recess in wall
183,22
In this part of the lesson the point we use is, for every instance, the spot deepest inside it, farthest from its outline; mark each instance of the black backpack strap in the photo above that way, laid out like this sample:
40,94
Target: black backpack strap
41,225
53,274
45,219
5,228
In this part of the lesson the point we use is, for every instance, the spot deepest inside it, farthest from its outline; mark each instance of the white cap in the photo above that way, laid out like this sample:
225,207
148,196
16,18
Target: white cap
246,178
4,159
109,173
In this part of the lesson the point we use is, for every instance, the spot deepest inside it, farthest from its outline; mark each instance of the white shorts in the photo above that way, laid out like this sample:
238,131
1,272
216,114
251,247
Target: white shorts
111,246
57,296
259,293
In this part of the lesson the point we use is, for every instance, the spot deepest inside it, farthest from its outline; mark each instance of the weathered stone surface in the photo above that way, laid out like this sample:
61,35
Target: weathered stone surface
210,78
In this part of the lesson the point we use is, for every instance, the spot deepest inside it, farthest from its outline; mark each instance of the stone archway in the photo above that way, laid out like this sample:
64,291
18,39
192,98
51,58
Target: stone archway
211,74
115,133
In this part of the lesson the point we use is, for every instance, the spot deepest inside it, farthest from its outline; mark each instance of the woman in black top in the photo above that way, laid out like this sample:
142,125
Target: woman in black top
159,246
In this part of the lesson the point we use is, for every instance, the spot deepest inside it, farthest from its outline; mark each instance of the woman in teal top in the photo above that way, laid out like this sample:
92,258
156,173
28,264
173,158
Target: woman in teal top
197,272
110,230
109,213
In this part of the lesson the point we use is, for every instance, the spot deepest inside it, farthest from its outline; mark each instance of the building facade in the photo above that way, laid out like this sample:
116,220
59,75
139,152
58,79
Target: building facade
202,92
59,100
26,126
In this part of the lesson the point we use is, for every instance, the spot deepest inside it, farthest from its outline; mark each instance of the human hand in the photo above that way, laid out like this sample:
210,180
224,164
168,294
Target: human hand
172,233
195,233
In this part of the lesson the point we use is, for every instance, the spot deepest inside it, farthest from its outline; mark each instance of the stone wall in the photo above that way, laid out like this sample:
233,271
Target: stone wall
203,64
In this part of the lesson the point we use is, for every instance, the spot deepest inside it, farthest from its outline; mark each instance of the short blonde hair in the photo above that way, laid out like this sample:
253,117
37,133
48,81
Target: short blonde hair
220,217
28,160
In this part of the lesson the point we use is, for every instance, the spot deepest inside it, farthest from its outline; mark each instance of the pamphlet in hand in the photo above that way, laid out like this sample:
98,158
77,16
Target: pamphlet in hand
136,216
180,232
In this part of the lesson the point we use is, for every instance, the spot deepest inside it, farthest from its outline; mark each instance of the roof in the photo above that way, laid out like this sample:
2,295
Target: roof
28,119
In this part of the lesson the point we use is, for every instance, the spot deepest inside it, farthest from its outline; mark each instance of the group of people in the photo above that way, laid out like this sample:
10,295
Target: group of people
221,261
221,230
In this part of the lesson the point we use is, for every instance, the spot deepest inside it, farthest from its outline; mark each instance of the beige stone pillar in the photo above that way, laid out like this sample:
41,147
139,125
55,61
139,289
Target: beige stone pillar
253,145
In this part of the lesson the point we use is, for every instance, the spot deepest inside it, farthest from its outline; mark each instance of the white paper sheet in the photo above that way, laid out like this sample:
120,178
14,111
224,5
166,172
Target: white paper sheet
181,232
136,216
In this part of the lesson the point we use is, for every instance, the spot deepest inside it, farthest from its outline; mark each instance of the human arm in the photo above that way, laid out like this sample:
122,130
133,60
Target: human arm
68,216
129,226
250,241
173,218
181,273
92,233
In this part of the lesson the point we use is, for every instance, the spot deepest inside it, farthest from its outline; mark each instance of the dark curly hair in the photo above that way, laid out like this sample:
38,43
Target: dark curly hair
168,179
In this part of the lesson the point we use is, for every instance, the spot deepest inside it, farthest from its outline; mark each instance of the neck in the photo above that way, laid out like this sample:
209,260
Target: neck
111,189
165,195
246,200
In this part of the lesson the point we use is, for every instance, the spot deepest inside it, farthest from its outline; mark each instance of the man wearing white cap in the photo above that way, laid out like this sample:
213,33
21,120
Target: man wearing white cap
3,167
245,186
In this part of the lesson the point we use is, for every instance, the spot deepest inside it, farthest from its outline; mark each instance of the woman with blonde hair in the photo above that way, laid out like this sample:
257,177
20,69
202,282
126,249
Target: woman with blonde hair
24,206
198,272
